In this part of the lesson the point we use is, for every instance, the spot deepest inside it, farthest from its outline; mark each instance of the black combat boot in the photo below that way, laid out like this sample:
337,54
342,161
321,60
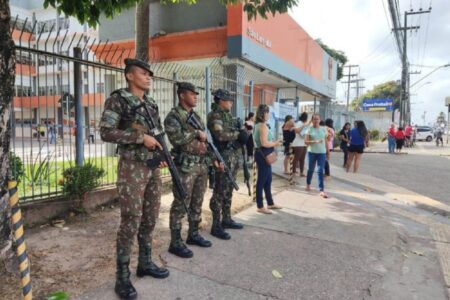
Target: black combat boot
194,238
177,246
228,222
146,267
218,232
124,289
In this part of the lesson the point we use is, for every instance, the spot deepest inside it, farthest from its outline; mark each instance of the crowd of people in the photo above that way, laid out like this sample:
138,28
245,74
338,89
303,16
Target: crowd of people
316,138
399,137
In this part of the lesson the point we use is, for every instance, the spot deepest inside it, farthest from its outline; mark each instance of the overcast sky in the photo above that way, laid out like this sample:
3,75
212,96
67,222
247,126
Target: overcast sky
362,29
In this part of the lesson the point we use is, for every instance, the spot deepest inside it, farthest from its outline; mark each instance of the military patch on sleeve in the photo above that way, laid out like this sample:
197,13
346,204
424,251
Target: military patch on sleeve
110,119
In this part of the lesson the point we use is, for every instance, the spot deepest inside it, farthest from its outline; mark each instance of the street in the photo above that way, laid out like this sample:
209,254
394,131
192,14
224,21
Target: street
424,170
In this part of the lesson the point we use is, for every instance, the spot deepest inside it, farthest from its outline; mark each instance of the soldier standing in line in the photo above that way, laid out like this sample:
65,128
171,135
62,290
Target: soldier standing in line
192,159
228,139
139,188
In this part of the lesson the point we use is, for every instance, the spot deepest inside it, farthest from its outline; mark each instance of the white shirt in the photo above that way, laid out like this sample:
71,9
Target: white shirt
299,140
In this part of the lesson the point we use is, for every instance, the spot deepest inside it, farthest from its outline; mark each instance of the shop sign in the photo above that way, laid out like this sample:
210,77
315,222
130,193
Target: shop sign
259,38
380,104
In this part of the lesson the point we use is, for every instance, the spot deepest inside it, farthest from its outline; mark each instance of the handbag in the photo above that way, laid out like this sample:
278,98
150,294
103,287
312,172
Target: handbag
271,157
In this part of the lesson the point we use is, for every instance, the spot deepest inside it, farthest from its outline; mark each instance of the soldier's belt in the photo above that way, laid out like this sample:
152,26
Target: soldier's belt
138,155
184,158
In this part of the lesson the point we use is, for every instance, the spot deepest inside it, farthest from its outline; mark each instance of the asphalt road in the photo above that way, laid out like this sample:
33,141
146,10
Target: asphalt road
424,170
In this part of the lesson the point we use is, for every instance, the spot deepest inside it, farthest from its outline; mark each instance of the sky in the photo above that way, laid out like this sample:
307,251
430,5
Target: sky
362,29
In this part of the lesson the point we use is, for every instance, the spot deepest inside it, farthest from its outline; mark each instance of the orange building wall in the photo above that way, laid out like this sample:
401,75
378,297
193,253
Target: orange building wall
211,42
42,101
289,41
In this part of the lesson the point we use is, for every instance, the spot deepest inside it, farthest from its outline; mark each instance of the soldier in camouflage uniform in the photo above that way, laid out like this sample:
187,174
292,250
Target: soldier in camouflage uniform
138,186
192,159
228,139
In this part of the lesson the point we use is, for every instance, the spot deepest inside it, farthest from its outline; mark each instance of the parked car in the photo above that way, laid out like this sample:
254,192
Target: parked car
424,133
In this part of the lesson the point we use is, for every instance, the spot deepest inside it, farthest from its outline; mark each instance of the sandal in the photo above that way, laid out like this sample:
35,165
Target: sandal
308,188
274,206
264,210
323,195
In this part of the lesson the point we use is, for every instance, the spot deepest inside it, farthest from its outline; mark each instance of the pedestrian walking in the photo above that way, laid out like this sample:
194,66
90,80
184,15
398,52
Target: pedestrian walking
299,145
288,138
138,187
400,139
91,137
345,139
359,139
249,125
51,133
330,141
228,139
192,159
391,138
408,134
318,152
265,145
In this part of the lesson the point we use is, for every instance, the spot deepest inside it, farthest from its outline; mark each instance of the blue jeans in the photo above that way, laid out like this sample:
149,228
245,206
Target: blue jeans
391,143
313,159
264,181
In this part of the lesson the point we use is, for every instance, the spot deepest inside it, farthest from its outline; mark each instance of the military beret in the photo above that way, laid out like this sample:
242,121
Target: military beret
186,86
222,94
138,63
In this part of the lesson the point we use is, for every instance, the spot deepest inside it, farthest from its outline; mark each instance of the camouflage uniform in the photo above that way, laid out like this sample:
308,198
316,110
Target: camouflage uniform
225,134
139,188
192,160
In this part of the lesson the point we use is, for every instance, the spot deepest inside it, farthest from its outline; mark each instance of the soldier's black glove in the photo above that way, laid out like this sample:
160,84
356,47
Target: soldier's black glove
243,136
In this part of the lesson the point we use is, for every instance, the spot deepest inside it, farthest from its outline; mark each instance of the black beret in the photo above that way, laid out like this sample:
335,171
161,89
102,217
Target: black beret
186,86
138,63
223,94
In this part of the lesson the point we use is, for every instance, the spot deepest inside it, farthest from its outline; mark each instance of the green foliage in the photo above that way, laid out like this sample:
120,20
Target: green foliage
390,89
374,134
58,296
88,11
16,167
40,170
80,180
338,55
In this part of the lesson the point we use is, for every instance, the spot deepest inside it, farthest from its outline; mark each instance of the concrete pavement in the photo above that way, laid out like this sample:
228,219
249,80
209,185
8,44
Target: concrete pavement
359,244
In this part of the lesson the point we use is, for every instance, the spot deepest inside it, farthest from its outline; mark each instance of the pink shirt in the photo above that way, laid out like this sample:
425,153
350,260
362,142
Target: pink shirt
408,130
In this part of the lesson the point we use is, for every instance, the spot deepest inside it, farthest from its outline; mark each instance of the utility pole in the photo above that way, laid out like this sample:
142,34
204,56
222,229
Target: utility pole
358,87
408,102
349,75
404,97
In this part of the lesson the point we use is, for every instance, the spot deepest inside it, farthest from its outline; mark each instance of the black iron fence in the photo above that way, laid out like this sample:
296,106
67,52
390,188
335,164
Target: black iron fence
62,81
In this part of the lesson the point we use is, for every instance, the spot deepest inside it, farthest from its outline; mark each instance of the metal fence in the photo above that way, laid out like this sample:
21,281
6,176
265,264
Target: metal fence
61,86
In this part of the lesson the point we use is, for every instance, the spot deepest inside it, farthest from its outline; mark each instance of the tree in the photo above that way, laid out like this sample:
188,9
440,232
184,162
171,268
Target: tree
338,55
390,89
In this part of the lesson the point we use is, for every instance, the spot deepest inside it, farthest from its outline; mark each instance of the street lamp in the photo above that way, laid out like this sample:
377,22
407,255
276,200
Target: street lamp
440,67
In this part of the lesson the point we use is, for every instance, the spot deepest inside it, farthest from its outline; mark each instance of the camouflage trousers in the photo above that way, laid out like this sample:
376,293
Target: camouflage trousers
195,184
223,190
139,191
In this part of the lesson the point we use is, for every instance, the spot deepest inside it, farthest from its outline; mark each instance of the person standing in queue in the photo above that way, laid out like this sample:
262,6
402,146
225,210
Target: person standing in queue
228,139
139,188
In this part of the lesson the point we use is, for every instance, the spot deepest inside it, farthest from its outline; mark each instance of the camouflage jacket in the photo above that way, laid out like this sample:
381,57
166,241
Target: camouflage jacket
187,148
222,126
124,125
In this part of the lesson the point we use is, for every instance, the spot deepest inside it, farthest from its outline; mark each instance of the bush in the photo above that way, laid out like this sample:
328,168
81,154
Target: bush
77,181
16,167
374,134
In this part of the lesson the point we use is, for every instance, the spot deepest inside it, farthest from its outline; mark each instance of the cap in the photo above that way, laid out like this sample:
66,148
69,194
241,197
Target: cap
186,86
222,94
138,63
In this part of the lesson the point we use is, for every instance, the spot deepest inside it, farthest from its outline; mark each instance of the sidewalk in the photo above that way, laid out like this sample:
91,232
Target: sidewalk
358,244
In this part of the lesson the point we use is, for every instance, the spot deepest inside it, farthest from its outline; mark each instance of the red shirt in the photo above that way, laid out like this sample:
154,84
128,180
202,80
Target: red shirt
392,132
400,135
408,130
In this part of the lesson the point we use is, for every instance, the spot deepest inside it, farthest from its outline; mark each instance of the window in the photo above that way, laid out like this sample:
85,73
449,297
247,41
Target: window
24,59
22,91
46,26
100,87
86,88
